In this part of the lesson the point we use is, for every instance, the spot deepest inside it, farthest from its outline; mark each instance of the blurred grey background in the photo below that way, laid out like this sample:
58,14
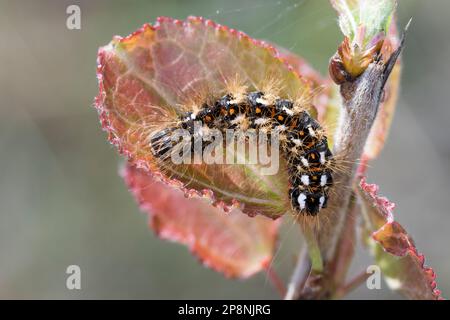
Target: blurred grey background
62,201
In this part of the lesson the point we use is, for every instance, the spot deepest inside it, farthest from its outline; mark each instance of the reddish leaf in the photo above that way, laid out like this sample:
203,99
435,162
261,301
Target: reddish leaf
145,77
302,67
394,250
232,242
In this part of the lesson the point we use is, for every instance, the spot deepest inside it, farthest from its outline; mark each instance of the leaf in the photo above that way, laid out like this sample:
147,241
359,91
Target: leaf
145,78
363,20
231,243
393,249
365,24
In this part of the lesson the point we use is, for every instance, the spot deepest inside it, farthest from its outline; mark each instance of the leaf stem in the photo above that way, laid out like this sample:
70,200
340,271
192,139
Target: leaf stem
314,252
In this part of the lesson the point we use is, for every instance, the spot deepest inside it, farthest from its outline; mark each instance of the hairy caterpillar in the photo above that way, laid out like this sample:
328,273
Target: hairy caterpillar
302,140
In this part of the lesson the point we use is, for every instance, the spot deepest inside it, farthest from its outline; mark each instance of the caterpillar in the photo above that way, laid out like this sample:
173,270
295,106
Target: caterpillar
304,144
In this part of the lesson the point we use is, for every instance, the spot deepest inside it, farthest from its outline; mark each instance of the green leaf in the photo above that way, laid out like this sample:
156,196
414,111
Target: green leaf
363,20
365,24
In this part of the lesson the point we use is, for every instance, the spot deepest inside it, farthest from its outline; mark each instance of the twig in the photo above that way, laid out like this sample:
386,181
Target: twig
345,247
352,285
298,278
361,100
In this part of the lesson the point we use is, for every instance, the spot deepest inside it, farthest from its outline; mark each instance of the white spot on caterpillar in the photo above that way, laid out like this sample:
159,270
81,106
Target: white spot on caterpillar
323,180
280,128
304,161
193,116
305,180
288,111
312,133
262,101
322,157
321,201
302,201
297,142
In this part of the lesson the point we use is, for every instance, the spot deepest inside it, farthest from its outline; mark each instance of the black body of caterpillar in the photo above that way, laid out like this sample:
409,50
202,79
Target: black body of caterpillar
305,147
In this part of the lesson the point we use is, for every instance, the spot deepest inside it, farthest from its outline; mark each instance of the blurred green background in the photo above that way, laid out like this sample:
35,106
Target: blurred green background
62,201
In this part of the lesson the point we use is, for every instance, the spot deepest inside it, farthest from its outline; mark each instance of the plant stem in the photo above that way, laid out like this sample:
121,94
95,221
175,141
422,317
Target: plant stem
361,99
